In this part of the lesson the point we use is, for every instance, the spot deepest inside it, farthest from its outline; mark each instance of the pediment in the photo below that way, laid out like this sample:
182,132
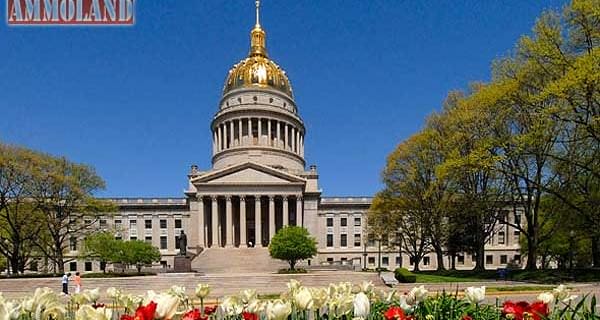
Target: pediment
248,173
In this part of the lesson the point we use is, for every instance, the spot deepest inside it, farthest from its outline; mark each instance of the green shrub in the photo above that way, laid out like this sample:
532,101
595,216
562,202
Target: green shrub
405,276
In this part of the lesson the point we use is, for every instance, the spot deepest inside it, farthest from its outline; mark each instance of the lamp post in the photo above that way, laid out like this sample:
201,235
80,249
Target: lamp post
571,249
364,254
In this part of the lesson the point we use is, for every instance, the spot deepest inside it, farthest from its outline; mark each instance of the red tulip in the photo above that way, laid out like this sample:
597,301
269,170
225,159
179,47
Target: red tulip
535,311
193,314
394,313
142,312
467,317
249,316
208,310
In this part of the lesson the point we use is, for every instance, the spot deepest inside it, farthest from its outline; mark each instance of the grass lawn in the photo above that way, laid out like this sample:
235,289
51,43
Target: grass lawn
539,276
434,278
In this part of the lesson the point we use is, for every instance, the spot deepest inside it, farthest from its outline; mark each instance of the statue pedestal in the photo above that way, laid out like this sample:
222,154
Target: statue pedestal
182,264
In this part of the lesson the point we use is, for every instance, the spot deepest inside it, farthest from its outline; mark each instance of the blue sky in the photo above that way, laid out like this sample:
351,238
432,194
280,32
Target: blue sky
136,102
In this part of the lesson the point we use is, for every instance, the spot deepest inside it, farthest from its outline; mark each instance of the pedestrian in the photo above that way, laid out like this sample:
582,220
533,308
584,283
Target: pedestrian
65,283
77,281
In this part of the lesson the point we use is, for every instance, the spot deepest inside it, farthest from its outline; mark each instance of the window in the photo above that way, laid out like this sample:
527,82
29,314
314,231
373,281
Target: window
163,242
330,260
87,222
330,240
357,239
517,235
517,258
330,222
132,238
502,216
118,238
163,264
412,261
371,260
73,266
384,240
163,224
501,237
148,239
344,240
343,222
132,224
357,222
426,261
503,259
460,259
118,222
176,242
518,219
102,223
177,223
398,261
371,240
385,261
489,259
33,266
148,224
73,244
88,266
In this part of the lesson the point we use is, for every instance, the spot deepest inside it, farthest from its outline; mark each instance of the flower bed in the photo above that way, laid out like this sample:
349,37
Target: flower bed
337,301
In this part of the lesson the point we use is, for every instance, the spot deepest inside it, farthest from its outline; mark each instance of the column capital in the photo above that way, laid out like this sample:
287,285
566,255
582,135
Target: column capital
285,198
257,196
299,197
228,198
271,198
243,198
214,198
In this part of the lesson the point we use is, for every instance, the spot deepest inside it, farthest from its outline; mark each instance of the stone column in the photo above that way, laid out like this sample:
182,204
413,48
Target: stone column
286,137
231,131
269,132
259,130
201,236
249,139
228,223
257,221
293,139
224,126
278,134
299,211
271,217
214,142
220,136
297,141
301,145
286,212
240,125
215,221
243,240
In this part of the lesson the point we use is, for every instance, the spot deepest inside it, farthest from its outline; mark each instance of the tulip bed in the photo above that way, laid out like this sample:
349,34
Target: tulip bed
341,301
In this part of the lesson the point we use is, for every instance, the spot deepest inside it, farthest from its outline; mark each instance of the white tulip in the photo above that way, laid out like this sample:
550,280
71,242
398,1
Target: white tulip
9,310
404,304
278,310
255,306
366,287
293,285
319,296
87,312
92,295
202,290
231,306
362,305
417,294
546,297
113,293
303,299
166,306
248,295
475,295
563,294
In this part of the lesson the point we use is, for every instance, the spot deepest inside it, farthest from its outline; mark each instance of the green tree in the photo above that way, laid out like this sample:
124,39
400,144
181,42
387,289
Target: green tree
136,253
292,244
101,246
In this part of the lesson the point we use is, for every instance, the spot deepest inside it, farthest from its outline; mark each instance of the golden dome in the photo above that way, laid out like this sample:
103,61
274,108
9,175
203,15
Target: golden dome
257,70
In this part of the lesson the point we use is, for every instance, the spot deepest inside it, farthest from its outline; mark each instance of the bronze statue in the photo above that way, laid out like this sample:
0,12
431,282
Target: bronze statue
182,244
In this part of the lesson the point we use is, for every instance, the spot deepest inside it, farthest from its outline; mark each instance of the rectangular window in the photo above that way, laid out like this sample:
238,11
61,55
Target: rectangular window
517,235
177,223
343,222
371,240
163,242
426,261
330,260
517,258
118,222
118,238
503,259
148,224
385,261
88,266
330,240
87,222
371,260
132,224
102,223
385,240
357,222
163,224
176,242
518,219
148,239
73,244
330,222
501,237
73,266
357,239
460,259
132,238
397,261
489,259
344,240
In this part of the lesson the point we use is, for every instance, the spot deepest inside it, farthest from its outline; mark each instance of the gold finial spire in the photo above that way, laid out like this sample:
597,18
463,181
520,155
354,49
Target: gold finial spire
257,13
258,45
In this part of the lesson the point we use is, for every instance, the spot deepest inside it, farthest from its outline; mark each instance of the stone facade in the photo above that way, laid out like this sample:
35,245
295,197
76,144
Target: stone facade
258,183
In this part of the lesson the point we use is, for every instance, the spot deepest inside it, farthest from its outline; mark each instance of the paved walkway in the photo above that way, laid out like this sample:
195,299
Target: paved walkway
268,283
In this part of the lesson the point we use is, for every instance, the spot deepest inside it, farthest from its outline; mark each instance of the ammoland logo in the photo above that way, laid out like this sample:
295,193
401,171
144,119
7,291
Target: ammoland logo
70,12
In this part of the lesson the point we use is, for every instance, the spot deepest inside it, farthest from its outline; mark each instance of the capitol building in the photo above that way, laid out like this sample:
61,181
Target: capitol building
258,183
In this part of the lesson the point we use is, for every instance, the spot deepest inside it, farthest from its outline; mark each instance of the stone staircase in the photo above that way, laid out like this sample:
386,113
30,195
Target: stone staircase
236,260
